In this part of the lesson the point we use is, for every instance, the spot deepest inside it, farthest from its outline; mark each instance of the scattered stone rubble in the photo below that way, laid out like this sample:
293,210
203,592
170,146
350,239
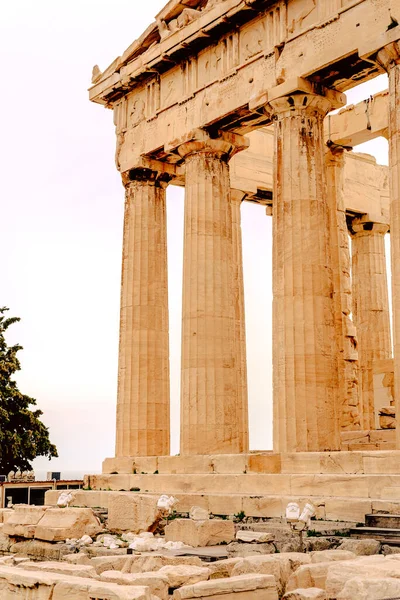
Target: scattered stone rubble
43,556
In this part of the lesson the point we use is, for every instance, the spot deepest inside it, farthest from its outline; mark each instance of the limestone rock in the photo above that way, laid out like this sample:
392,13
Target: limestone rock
77,559
5,514
249,536
390,549
222,568
179,575
130,512
200,533
157,583
360,547
23,521
39,550
60,524
198,514
366,588
312,575
220,588
108,563
274,564
154,562
326,555
306,594
62,568
40,585
242,549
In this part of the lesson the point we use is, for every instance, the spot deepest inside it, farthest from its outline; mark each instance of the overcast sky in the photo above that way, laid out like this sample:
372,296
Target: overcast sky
61,227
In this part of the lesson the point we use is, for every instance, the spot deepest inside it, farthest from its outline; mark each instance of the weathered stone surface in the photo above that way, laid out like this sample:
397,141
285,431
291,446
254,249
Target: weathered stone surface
154,562
179,575
155,581
128,512
23,521
326,555
59,524
368,588
252,549
108,563
339,574
5,514
276,565
311,575
306,594
62,568
17,583
38,550
228,588
197,513
222,568
200,533
249,536
360,547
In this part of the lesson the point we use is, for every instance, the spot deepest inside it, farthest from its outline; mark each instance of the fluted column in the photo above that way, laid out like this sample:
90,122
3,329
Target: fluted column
143,370
212,411
304,339
348,367
240,323
389,58
371,306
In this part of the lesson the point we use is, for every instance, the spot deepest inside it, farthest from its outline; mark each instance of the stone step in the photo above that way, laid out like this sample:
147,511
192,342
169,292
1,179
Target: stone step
344,485
250,505
345,462
383,521
382,534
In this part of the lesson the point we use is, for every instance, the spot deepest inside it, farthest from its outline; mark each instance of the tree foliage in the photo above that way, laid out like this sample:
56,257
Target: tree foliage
23,436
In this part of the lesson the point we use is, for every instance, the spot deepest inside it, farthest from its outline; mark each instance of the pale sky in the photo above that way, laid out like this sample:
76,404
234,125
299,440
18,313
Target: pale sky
61,227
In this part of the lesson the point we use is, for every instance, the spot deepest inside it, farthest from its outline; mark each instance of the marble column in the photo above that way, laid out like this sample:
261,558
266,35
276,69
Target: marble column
237,198
389,58
213,408
305,364
143,427
348,367
370,306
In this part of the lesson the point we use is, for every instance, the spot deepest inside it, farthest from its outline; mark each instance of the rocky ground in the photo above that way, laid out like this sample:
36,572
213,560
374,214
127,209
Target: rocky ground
64,553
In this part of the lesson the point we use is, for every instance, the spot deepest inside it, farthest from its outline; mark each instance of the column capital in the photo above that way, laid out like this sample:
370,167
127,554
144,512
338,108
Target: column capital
368,225
384,50
300,103
237,195
151,172
224,145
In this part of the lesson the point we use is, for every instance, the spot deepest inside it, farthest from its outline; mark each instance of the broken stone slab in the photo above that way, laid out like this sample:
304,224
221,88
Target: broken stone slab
154,562
132,512
306,594
198,514
62,568
250,587
241,549
39,550
200,533
365,588
77,559
361,547
222,568
259,537
274,564
179,575
18,583
5,514
155,581
60,524
23,521
108,563
326,555
313,575
340,573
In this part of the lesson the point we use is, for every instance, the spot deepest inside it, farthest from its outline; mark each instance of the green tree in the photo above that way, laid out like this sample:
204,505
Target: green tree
23,436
